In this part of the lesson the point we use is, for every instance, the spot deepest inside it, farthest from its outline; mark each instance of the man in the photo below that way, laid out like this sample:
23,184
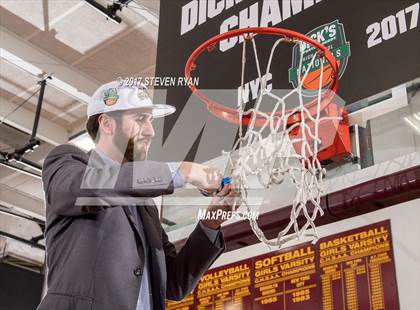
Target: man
105,246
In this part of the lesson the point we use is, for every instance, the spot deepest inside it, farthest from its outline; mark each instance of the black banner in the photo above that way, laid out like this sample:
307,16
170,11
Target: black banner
377,44
383,36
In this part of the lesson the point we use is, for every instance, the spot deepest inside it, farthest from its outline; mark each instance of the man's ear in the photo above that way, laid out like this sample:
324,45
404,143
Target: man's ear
106,124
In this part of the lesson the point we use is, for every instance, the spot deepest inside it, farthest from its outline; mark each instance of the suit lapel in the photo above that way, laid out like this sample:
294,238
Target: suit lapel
151,225
134,224
150,233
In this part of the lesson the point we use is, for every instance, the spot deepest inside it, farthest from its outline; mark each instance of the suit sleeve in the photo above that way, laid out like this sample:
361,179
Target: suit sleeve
184,269
69,181
212,234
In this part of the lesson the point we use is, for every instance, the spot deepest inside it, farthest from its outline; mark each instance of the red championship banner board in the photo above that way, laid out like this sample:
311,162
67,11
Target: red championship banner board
286,279
226,287
350,270
356,269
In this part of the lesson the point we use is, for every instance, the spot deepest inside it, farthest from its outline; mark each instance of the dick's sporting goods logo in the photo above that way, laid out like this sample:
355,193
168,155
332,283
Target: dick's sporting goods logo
333,37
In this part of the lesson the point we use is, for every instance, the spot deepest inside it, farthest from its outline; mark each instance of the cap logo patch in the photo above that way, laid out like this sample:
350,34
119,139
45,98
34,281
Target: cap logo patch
110,96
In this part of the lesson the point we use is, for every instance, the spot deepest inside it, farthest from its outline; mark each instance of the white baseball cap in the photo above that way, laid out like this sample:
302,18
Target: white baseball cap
119,96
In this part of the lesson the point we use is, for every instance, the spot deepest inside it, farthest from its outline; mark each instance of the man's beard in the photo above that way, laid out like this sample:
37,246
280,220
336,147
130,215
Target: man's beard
129,147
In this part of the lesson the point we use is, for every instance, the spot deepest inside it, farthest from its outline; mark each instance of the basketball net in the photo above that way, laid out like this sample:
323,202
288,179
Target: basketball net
273,157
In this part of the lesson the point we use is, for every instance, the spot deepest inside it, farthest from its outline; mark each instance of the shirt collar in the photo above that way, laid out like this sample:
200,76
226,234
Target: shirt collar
105,158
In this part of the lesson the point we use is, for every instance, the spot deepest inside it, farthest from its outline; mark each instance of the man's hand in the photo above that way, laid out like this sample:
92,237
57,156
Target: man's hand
226,200
203,177
208,181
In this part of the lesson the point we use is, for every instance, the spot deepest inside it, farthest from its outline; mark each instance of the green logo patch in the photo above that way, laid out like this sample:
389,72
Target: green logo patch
110,96
333,37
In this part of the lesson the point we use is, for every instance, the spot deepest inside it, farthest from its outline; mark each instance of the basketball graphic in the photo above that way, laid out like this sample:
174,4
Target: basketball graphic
331,35
312,80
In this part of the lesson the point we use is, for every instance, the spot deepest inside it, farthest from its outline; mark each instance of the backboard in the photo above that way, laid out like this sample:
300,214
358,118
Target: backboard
379,81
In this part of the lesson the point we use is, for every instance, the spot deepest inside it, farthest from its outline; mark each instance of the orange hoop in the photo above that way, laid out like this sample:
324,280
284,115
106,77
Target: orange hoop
231,115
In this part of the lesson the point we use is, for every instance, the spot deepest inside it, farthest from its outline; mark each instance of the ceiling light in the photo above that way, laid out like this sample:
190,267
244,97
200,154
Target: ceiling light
110,12
21,170
414,126
34,70
19,62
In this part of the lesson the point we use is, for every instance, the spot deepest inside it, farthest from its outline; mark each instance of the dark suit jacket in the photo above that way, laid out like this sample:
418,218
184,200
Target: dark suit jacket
95,249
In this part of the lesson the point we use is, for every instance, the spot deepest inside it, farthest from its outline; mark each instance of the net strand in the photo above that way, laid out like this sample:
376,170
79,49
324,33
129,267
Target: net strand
273,157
